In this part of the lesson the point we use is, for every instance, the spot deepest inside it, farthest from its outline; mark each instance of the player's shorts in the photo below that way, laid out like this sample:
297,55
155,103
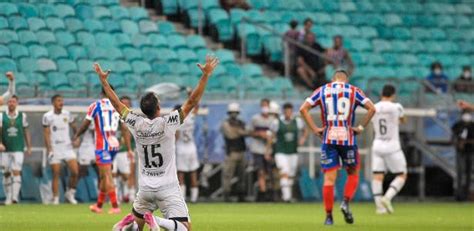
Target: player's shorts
61,155
187,158
394,162
86,156
287,163
333,156
11,161
121,163
260,163
168,199
104,157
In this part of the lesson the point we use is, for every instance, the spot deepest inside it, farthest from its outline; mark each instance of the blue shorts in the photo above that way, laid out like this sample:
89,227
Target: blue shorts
332,155
104,156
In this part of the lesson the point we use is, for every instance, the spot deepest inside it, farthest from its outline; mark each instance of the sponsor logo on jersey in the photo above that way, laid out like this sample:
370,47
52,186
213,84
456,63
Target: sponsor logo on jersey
150,134
173,119
131,122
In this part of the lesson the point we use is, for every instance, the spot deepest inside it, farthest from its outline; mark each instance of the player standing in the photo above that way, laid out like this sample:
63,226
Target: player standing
387,154
338,101
106,121
56,123
14,135
86,152
186,155
155,139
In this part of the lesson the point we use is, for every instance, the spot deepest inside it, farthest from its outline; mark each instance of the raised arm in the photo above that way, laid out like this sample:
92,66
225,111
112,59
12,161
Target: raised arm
196,94
11,87
304,111
109,92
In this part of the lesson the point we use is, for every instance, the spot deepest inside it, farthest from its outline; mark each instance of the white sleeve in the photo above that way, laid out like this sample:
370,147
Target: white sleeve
71,118
299,123
25,121
174,120
45,120
401,111
275,126
1,120
131,119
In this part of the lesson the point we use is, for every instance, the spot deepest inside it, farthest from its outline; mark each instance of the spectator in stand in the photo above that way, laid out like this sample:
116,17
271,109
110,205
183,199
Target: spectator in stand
310,67
464,83
437,78
308,24
339,57
292,33
229,4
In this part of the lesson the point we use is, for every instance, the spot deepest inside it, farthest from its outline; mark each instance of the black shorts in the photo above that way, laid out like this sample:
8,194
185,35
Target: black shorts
260,163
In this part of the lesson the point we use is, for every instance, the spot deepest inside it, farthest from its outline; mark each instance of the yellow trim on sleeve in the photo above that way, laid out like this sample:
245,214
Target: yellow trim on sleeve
124,112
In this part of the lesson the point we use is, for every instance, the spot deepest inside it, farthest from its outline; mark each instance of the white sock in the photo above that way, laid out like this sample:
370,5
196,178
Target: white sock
16,185
118,186
395,186
377,191
183,190
285,189
7,184
290,187
170,224
194,194
72,191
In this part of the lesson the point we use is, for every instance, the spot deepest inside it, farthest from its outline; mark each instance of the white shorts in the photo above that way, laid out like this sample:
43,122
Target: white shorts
86,155
187,158
287,163
168,199
121,163
63,155
392,162
11,161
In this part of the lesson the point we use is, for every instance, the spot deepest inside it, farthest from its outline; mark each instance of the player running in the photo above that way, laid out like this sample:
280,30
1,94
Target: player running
338,101
106,121
155,139
387,154
56,123
186,155
13,137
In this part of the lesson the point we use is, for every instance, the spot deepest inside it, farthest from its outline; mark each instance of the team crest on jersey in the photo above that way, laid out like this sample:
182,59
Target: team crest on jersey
65,120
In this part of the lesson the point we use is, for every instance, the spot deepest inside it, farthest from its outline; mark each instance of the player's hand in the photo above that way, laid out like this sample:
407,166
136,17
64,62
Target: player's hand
131,156
10,76
102,75
28,151
463,105
301,142
76,142
209,66
268,157
2,148
356,130
319,131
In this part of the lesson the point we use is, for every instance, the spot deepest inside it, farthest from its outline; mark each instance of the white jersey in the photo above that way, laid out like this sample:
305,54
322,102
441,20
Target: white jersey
186,132
386,126
155,145
59,126
88,142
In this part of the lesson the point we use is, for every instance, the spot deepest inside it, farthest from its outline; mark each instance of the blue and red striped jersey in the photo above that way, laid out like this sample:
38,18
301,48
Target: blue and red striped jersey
338,102
106,122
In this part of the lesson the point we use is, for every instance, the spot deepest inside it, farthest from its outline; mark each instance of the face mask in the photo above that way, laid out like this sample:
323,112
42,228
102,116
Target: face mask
467,75
437,71
265,110
466,117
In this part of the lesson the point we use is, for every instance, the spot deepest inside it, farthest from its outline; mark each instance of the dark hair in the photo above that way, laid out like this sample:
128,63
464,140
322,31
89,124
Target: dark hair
149,104
342,71
265,100
177,106
55,97
288,106
388,90
15,97
125,97
466,67
337,36
103,90
307,20
435,65
293,24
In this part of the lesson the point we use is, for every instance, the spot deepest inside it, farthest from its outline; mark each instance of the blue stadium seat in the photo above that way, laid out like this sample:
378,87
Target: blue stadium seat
67,66
3,23
138,13
18,51
93,25
141,41
85,38
119,13
166,28
73,24
38,51
8,9
158,41
28,10
101,12
55,24
27,37
57,52
111,26
123,67
129,27
84,11
47,10
251,71
97,53
7,64
18,23
8,36
168,55
105,40
123,40
187,56
170,7
85,66
176,42
147,26
4,51
28,65
132,54
65,38
77,52
64,11
141,68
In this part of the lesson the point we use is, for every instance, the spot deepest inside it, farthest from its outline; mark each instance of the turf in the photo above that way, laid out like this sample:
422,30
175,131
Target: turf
258,217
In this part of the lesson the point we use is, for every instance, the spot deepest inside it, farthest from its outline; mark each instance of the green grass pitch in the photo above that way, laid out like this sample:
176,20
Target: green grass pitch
251,217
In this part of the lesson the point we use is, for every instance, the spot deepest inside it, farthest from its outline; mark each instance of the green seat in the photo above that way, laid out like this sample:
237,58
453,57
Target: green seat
375,59
65,38
380,45
401,33
220,71
409,20
123,40
105,40
7,64
392,20
150,54
47,10
96,53
255,16
18,51
409,60
27,37
176,42
132,54
359,58
18,23
129,27
38,51
28,65
77,52
433,47
270,17
390,58
22,81
193,70
339,18
361,44
114,53
322,18
8,36
74,24
426,59
187,56
208,5
233,70
368,32
93,25
158,41
193,18
202,53
3,23
57,52
273,48
4,51
464,9
251,70
438,34
147,26
36,24
166,28
85,66
445,21
170,7
112,26
85,38
55,24
400,46
167,55
462,21
141,41
161,68
119,13
249,33
350,31
236,15
404,72
28,10
101,12
8,9
122,67
225,56
195,42
426,21
446,60
45,37
180,69
58,81
140,67
106,64
374,20
84,11
416,46
138,13
77,80
64,11
66,66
